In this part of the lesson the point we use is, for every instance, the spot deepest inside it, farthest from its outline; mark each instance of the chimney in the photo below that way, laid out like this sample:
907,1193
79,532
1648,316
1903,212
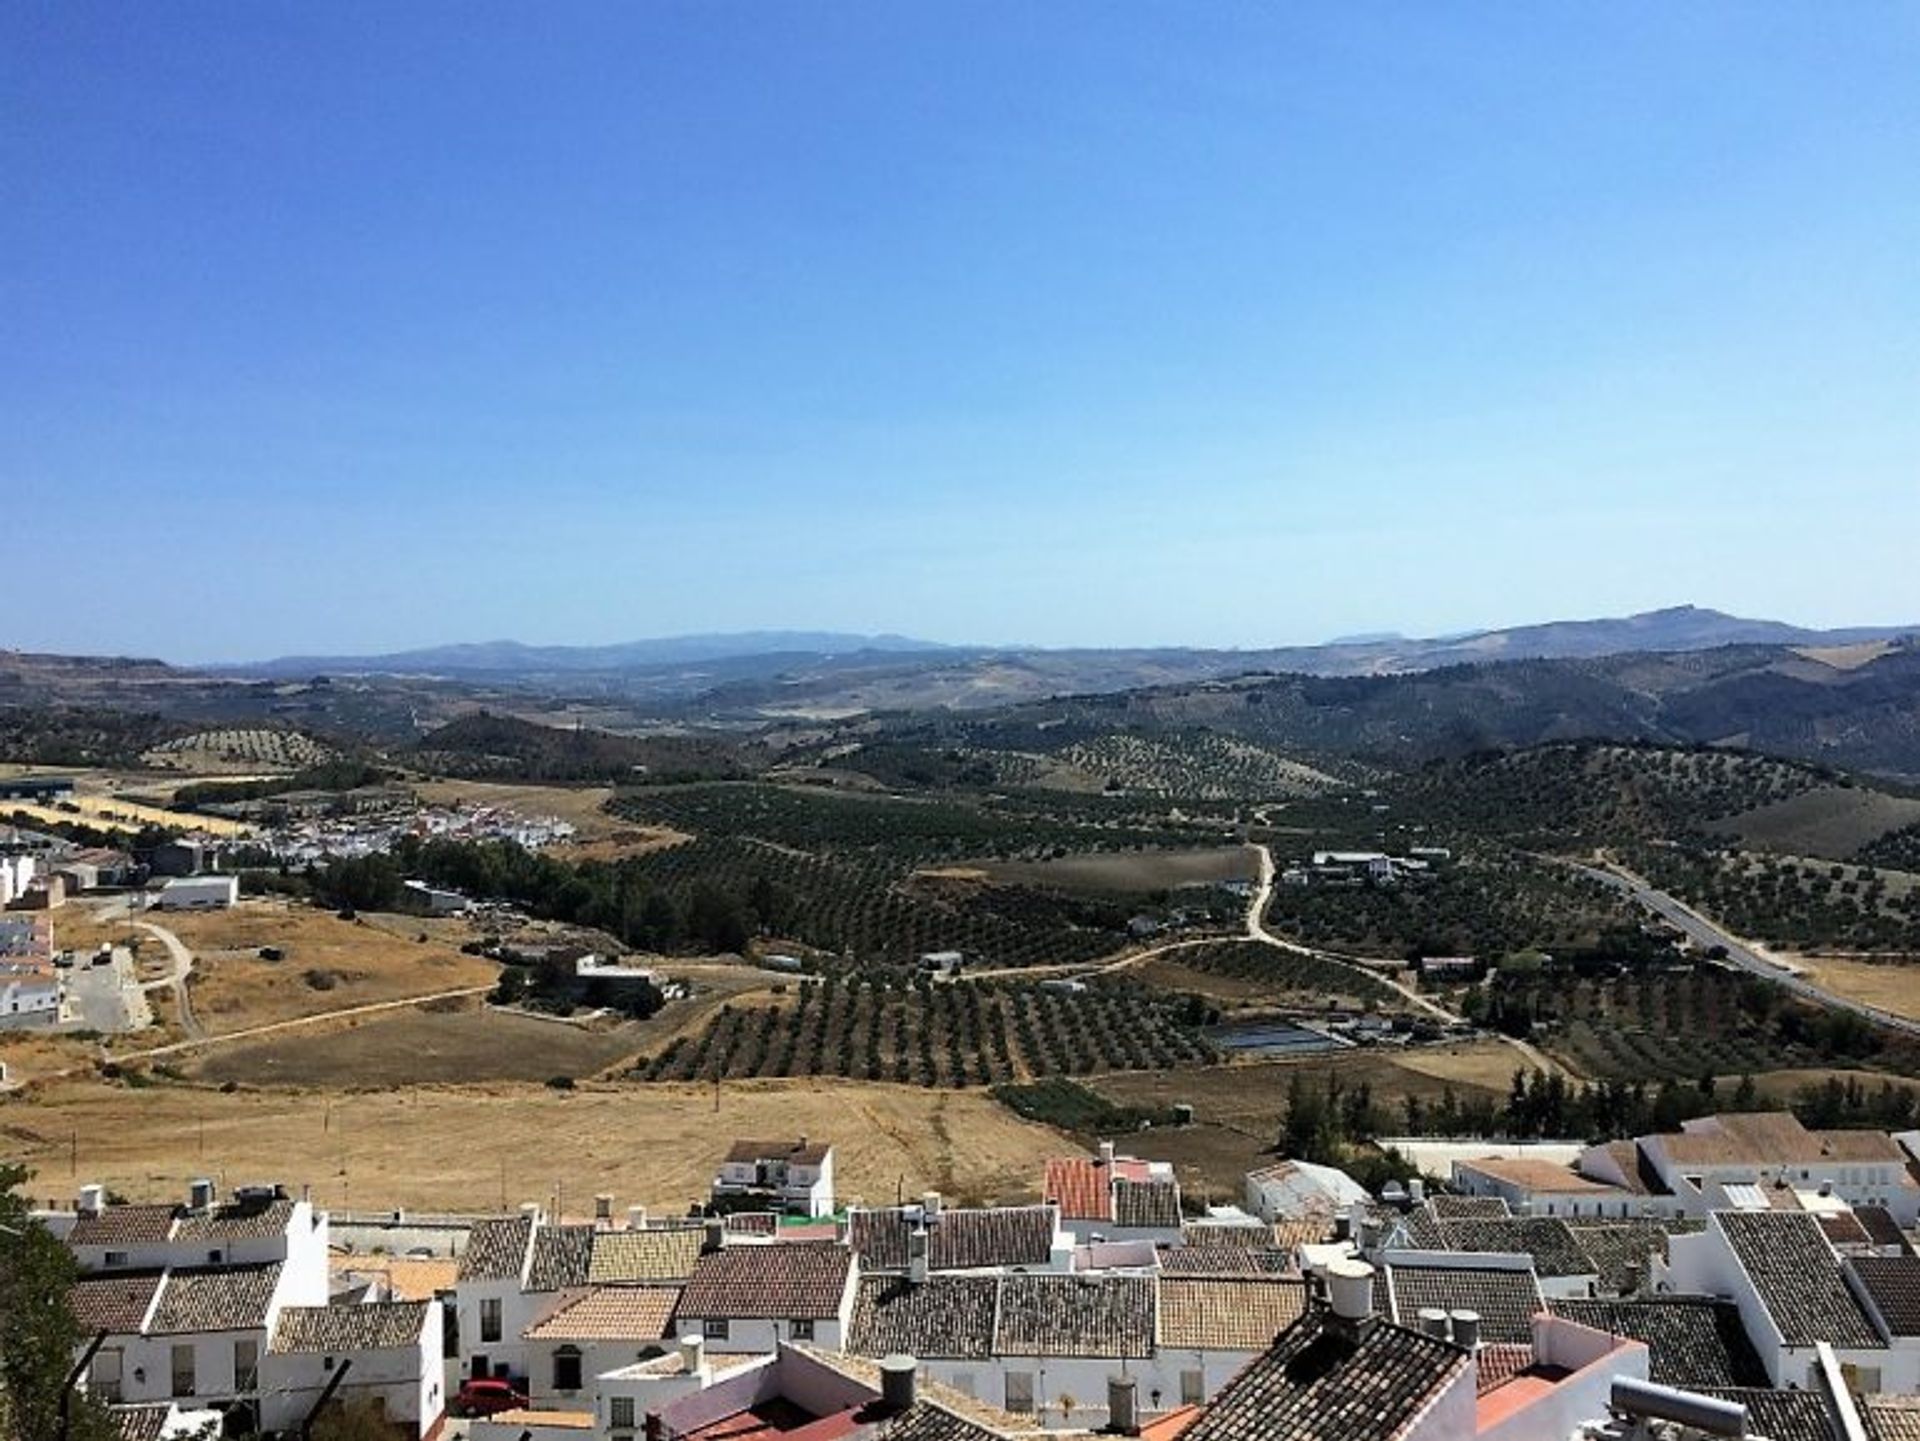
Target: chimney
1122,1415
1350,1289
1433,1322
656,1429
1417,1190
898,1382
603,1212
930,1205
200,1195
716,1236
92,1198
636,1218
530,1211
693,1352
1106,1153
917,1256
1466,1329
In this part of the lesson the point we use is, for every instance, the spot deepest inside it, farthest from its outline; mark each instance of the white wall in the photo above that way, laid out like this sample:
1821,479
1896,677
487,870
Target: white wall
406,1378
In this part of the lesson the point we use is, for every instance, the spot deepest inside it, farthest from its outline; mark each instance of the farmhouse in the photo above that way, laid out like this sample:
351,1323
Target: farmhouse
794,1176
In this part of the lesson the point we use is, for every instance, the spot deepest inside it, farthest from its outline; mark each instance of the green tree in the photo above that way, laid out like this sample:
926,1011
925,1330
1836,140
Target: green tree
39,1338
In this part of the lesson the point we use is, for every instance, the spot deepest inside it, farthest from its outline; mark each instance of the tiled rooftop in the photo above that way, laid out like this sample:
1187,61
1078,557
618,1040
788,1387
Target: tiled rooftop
1447,1207
644,1255
1693,1341
222,1298
379,1326
1797,1276
1621,1252
113,1301
236,1221
1086,1316
1225,1313
1545,1238
1322,1382
611,1313
1891,1418
1506,1300
123,1226
1084,1186
957,1240
795,1153
1784,1415
1208,1261
804,1281
1205,1235
948,1317
562,1258
1146,1203
1892,1283
496,1249
141,1423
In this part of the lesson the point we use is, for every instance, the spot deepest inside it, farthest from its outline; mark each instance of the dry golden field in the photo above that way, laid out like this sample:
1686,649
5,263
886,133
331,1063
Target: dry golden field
475,1147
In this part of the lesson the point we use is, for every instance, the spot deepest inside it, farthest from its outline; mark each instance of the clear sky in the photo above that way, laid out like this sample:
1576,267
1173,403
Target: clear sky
347,327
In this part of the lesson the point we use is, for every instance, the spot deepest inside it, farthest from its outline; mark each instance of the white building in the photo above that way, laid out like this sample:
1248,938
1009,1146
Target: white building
1110,1197
390,1351
1543,1188
1300,1191
29,995
751,1297
794,1176
198,893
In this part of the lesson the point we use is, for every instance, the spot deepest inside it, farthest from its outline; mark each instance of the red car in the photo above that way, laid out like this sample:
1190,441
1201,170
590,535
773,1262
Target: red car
487,1397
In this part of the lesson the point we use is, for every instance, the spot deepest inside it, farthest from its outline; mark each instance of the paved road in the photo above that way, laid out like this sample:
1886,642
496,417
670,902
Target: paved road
106,998
1742,954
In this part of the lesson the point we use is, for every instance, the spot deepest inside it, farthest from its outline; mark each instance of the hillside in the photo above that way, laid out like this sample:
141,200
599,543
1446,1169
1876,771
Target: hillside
486,745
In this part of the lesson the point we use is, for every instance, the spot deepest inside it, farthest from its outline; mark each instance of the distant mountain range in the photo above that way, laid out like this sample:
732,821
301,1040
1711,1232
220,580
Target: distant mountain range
1679,628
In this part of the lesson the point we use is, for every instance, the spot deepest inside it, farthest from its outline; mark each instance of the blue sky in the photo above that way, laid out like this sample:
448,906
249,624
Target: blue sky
352,327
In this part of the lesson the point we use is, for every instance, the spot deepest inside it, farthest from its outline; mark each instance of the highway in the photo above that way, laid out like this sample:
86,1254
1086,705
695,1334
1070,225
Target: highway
1707,935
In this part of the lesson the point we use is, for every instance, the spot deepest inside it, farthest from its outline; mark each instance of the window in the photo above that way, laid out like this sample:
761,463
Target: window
214,1258
115,1258
801,1330
104,1379
490,1319
566,1369
620,1413
246,1365
1193,1387
1020,1392
183,1377
714,1328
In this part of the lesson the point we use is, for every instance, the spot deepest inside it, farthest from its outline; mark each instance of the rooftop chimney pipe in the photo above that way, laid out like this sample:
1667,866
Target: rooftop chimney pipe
898,1383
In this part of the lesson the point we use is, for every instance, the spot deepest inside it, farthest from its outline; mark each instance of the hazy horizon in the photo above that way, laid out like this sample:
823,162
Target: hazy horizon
361,329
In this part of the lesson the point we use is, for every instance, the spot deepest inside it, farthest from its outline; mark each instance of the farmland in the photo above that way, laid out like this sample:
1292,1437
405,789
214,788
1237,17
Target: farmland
1253,968
477,1146
241,749
876,1027
1126,871
1792,901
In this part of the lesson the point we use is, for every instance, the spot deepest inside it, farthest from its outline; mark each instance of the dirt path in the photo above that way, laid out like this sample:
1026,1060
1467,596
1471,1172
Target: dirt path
182,959
250,1032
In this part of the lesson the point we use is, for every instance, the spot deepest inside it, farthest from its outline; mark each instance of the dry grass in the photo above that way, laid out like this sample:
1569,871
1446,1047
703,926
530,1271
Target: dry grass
472,1149
1831,822
1487,1064
1126,871
598,835
1891,986
234,989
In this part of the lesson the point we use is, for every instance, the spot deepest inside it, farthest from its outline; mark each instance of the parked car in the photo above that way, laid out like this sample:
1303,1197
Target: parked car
483,1397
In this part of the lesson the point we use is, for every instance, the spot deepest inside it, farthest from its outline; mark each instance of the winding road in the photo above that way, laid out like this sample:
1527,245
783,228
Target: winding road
176,979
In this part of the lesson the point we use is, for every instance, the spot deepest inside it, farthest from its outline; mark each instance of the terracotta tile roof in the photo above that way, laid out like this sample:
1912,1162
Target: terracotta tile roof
928,1421
645,1255
1797,1277
1208,1261
1783,1415
612,1313
1892,1283
1890,1418
215,1298
378,1326
1859,1146
123,1226
236,1221
1545,1238
1506,1300
1146,1203
795,1153
1447,1208
113,1301
957,1240
1307,1231
1499,1363
752,1223
1223,1313
1075,1316
1621,1253
1693,1341
1206,1235
496,1249
804,1281
1322,1382
1531,1174
1084,1186
947,1318
562,1257
1843,1228
1881,1228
